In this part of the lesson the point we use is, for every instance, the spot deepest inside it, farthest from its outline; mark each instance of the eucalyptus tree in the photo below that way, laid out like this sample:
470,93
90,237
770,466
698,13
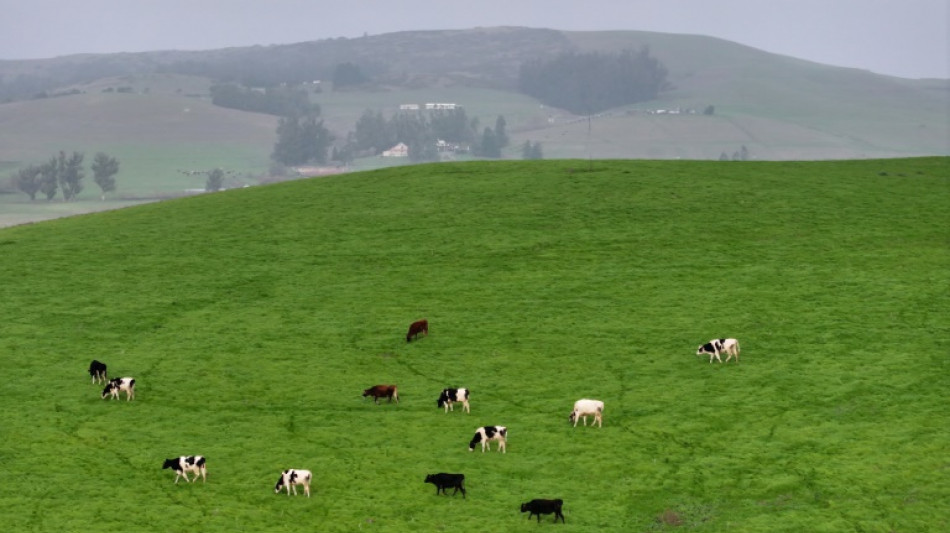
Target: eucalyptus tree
104,169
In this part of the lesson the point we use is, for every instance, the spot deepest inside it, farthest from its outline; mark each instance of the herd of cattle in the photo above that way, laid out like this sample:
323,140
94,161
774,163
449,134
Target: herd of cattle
291,478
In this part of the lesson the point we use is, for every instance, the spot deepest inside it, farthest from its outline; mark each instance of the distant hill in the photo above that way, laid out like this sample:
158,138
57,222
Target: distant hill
152,109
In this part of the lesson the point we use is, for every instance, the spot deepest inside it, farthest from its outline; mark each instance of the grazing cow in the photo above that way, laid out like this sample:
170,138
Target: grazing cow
291,478
443,481
450,396
117,385
584,408
187,463
417,327
382,391
540,507
486,434
718,346
97,370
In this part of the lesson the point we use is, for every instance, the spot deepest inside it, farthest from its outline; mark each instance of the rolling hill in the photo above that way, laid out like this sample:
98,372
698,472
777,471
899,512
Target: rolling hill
252,319
776,107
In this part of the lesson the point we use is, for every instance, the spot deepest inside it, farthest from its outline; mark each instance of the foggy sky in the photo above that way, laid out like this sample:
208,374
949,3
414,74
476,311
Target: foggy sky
907,38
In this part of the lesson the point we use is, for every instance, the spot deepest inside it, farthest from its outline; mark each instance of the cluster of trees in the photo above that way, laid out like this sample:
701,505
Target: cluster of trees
273,66
301,139
348,75
420,131
742,154
301,135
280,101
531,151
593,82
65,173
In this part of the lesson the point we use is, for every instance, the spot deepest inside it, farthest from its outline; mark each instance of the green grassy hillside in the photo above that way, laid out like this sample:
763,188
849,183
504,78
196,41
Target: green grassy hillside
252,319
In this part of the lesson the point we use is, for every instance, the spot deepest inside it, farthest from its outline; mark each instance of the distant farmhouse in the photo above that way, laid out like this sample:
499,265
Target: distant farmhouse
400,150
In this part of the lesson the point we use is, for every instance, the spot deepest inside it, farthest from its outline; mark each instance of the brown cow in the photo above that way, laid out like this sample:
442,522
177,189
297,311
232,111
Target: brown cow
382,391
417,327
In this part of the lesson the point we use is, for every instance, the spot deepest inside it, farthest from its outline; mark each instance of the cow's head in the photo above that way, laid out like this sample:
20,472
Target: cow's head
169,463
280,484
572,417
108,390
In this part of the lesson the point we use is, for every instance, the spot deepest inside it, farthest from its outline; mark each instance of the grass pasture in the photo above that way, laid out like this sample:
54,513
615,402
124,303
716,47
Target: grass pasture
253,318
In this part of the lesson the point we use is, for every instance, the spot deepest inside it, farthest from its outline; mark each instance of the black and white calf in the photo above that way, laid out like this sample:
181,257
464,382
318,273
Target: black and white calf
187,463
486,434
97,370
289,479
584,408
450,396
718,346
117,385
443,481
540,507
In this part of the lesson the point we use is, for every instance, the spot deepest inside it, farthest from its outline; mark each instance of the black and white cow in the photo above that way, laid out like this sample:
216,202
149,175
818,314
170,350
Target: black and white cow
540,507
486,434
116,385
450,396
584,408
443,481
718,346
187,463
289,479
97,370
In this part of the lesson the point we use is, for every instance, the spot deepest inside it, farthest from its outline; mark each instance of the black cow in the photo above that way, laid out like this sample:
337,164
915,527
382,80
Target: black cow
97,370
540,507
444,481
